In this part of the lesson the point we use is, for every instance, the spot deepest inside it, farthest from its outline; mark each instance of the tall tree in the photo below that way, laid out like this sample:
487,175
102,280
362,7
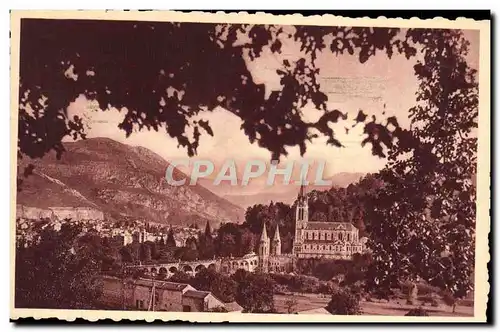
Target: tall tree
344,302
161,243
255,292
57,272
126,255
144,253
170,242
206,245
247,242
208,230
154,249
222,286
192,243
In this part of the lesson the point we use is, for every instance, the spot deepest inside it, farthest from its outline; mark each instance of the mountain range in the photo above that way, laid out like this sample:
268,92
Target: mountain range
128,183
122,181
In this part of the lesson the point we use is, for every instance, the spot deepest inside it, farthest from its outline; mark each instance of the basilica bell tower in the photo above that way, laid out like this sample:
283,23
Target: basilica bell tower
264,248
301,219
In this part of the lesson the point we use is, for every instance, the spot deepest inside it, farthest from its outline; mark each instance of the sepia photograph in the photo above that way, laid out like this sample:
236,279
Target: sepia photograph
258,168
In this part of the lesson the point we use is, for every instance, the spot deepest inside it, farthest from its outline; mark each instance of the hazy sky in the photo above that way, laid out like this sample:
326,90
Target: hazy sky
350,86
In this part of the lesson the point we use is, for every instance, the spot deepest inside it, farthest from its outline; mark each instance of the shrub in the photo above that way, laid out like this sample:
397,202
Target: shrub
344,302
326,287
280,289
424,289
417,312
428,299
217,309
449,299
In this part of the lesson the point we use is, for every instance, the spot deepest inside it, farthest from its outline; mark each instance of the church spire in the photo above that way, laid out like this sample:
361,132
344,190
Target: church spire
302,191
277,233
263,236
276,245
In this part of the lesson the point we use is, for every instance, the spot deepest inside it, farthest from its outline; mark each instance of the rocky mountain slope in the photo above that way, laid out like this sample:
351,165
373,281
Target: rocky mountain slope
123,182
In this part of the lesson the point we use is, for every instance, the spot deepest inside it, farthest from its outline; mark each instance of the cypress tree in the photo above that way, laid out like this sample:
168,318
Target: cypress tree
170,243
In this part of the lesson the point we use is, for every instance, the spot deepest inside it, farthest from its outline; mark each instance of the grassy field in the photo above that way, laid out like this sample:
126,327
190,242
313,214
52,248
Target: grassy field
384,308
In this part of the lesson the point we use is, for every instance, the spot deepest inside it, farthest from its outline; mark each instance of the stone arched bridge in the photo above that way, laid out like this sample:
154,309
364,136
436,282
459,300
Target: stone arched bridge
226,265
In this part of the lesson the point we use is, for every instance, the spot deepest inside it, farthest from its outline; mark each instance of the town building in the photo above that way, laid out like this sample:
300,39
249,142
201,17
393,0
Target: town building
157,295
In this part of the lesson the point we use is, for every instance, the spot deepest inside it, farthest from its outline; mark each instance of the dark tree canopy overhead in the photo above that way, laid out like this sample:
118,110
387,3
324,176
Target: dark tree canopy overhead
165,73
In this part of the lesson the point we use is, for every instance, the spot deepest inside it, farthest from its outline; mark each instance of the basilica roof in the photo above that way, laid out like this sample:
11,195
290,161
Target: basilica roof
332,226
330,242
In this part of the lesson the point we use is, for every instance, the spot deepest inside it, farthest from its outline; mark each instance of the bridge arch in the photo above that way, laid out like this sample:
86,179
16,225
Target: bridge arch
212,266
187,269
172,269
199,268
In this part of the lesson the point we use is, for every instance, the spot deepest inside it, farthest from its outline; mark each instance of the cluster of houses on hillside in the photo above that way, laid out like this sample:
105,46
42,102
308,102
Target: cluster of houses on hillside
31,221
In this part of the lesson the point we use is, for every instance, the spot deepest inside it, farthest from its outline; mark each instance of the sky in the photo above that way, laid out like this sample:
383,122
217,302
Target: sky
380,84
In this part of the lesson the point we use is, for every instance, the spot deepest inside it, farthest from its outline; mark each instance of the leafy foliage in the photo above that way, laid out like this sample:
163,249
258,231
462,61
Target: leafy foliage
344,302
272,215
58,272
255,292
222,286
181,277
206,244
417,312
170,242
422,222
449,299
298,283
234,240
291,305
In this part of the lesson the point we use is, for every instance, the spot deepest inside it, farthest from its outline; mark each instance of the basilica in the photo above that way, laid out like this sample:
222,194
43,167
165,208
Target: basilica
313,239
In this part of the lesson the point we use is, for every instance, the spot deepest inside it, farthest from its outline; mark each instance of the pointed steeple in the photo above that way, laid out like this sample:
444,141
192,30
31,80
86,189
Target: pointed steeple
302,192
277,234
263,236
276,245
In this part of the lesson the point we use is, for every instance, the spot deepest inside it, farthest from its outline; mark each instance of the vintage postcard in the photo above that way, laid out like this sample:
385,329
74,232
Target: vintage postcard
249,167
